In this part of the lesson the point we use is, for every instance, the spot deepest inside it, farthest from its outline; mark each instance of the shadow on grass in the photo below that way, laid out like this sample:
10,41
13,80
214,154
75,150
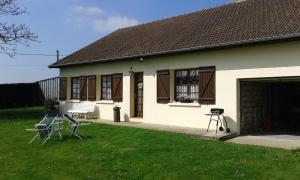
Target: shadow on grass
296,151
65,138
21,114
71,138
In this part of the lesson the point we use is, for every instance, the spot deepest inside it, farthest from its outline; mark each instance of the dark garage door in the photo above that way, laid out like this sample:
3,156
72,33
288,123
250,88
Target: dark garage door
274,100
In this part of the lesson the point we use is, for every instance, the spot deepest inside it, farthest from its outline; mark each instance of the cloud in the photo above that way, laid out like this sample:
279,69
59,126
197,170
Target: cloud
77,21
87,10
97,19
113,23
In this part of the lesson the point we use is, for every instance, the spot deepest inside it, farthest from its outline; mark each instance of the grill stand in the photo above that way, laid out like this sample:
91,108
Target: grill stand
219,120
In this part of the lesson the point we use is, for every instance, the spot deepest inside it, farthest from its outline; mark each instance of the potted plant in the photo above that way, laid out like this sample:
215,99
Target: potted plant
50,106
186,99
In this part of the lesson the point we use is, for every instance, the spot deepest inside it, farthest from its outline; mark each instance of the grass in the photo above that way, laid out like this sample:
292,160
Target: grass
114,152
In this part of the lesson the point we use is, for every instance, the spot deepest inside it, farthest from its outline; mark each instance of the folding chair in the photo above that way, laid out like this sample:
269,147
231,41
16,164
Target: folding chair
74,125
47,127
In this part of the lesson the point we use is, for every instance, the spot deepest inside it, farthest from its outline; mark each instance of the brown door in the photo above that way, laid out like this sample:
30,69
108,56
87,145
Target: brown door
138,94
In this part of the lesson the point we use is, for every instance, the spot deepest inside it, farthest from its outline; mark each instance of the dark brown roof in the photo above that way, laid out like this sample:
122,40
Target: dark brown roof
230,24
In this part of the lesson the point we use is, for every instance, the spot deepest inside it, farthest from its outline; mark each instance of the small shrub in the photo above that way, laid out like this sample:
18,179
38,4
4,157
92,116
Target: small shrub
50,105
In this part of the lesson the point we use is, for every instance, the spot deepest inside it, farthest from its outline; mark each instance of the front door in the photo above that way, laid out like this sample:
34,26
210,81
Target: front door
138,94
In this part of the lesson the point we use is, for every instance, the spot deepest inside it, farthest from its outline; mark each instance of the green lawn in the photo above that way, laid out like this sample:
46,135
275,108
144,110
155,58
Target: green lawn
114,152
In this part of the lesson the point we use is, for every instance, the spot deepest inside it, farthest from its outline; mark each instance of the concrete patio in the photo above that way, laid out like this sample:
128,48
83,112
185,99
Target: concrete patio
284,141
268,140
178,129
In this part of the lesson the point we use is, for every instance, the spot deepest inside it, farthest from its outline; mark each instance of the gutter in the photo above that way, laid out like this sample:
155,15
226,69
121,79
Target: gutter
198,48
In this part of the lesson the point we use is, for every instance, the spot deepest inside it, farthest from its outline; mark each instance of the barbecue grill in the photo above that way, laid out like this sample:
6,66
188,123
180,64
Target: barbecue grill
217,112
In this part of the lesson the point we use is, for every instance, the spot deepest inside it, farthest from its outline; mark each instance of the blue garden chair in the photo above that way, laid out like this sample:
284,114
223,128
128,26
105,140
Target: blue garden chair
49,125
74,125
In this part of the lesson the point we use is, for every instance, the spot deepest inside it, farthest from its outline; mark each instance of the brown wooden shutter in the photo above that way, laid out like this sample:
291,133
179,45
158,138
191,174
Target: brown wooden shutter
63,89
207,84
117,87
92,88
83,88
163,86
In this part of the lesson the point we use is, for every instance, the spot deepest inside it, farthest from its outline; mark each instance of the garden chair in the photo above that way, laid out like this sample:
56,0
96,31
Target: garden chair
49,125
74,125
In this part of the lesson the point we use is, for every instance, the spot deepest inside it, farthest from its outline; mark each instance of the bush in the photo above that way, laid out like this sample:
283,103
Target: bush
50,105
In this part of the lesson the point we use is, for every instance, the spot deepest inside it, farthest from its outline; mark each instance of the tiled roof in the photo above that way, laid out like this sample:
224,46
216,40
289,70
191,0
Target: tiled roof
231,24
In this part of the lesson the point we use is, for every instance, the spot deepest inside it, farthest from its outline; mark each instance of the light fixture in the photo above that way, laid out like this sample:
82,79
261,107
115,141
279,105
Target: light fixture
131,72
141,59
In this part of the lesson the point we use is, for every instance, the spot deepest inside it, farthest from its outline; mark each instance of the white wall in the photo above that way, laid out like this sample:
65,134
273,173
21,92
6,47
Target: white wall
273,60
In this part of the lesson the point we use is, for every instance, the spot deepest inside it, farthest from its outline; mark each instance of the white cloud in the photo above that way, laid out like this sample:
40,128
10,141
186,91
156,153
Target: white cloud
113,23
87,10
77,21
97,19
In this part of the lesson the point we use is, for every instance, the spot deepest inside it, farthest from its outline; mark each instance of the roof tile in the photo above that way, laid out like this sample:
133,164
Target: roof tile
234,22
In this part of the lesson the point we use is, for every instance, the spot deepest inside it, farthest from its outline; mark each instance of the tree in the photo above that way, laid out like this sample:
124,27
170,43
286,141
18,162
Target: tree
13,34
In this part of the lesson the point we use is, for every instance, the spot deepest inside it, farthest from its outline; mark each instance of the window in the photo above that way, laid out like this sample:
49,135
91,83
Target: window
106,87
187,84
75,88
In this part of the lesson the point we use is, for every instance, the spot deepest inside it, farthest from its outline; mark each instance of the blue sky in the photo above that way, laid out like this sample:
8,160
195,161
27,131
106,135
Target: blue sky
68,25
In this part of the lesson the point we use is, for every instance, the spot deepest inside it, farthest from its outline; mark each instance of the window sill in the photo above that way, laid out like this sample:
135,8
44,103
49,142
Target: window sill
105,102
178,104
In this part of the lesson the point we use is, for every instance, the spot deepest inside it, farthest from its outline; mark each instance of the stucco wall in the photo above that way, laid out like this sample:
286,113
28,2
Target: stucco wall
273,60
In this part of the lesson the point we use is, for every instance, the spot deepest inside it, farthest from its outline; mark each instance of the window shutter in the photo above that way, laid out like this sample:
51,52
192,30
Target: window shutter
83,88
63,89
92,88
163,86
207,85
117,87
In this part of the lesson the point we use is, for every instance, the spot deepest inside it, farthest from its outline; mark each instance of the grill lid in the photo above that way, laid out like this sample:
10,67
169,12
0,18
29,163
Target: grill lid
217,110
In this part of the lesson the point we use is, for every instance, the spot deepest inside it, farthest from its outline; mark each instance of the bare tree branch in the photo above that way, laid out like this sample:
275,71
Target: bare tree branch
8,7
12,34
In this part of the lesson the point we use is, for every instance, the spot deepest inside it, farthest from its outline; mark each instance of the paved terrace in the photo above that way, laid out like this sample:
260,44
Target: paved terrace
277,141
178,129
285,141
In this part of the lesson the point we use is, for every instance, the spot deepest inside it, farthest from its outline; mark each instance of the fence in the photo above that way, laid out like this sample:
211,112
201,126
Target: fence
20,95
50,88
28,94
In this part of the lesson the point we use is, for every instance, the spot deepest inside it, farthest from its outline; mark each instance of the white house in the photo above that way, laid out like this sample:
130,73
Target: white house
243,57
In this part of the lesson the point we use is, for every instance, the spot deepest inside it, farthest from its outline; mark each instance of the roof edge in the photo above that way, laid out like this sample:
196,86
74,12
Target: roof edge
197,48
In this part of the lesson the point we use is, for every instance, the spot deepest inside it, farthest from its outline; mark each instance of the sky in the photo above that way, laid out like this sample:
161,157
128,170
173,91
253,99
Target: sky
68,25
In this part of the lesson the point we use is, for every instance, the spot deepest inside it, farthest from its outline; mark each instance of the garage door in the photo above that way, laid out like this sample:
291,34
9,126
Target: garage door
271,105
